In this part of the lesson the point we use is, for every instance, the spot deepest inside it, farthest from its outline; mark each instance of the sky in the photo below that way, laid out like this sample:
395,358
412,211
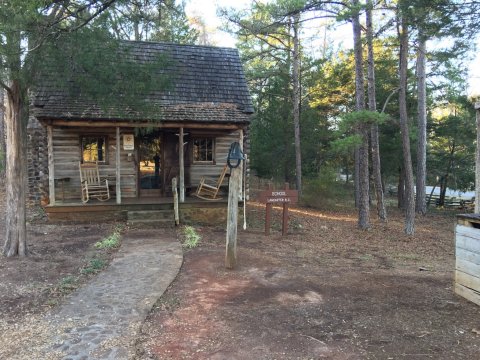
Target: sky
207,10
474,81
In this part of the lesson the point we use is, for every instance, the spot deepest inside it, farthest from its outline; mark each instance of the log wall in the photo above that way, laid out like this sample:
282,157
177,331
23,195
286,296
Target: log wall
211,172
67,155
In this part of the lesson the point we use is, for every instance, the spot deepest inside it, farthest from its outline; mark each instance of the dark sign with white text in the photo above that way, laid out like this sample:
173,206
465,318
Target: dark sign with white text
279,196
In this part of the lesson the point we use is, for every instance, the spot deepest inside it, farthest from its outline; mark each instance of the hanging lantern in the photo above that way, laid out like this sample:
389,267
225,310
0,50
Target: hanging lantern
235,154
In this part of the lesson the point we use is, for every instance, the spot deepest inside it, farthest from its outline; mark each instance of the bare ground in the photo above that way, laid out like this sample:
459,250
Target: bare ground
53,268
326,291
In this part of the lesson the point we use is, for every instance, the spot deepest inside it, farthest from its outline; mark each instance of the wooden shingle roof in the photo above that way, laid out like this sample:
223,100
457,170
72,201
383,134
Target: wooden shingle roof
207,85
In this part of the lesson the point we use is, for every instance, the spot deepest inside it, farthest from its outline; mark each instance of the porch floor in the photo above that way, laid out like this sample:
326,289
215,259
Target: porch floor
134,201
193,210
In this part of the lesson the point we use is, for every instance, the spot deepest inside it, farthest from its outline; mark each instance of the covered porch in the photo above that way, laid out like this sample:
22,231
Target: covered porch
139,168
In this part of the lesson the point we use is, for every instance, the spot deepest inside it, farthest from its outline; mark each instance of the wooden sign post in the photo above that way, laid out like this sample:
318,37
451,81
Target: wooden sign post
284,197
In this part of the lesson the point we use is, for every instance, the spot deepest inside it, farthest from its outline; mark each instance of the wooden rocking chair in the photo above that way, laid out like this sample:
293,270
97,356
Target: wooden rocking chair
209,192
92,185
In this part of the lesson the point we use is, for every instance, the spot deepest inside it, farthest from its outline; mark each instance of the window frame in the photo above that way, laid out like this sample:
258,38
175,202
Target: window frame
213,142
98,136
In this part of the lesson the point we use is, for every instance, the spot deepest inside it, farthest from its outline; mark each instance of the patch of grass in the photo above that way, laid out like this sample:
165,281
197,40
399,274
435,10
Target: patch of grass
365,257
51,302
110,242
408,257
94,266
67,284
191,237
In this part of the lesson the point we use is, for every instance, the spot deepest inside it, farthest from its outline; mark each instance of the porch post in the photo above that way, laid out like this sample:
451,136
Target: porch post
232,219
51,166
117,168
181,165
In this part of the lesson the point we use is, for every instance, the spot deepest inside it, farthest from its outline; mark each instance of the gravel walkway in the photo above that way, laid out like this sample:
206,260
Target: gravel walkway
102,319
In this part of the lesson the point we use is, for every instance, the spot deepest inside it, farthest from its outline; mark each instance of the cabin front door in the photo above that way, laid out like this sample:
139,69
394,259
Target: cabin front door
157,162
150,164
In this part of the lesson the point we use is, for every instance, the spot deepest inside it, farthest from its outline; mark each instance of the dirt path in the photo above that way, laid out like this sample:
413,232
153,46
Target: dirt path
327,291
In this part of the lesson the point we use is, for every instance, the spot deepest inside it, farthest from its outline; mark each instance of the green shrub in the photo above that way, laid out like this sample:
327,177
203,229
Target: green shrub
191,237
326,191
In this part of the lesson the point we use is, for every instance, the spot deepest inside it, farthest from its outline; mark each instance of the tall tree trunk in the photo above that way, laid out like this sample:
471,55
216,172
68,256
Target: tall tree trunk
3,148
16,172
402,102
296,101
363,173
420,205
401,188
477,161
431,194
136,22
372,106
356,177
443,190
444,178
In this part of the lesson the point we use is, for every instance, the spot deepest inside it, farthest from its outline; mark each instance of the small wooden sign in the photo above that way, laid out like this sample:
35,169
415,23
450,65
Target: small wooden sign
279,196
128,142
284,197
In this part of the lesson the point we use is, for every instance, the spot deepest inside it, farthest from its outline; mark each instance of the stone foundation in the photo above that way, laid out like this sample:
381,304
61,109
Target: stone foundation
206,215
37,164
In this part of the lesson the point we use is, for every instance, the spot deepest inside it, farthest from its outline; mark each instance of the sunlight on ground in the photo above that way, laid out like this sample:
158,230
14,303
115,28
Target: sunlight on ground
313,213
311,297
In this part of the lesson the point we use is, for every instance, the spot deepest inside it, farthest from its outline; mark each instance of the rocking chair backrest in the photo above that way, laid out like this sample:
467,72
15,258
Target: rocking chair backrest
209,192
91,184
89,173
222,176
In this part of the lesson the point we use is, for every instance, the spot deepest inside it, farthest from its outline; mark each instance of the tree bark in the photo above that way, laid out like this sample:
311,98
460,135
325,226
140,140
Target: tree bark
3,148
372,106
401,188
16,172
420,205
443,190
477,161
296,102
444,178
363,172
404,129
356,177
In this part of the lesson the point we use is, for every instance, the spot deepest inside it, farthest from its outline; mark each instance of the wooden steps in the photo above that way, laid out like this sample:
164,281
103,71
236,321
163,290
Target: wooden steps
151,218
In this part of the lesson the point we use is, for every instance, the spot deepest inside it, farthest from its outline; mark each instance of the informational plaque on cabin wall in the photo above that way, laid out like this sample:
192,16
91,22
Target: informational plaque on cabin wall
128,142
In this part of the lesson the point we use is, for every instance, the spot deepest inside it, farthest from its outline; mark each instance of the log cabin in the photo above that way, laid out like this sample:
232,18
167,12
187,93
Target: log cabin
205,108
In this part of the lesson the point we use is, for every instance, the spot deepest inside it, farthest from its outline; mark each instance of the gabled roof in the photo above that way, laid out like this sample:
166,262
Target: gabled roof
207,84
